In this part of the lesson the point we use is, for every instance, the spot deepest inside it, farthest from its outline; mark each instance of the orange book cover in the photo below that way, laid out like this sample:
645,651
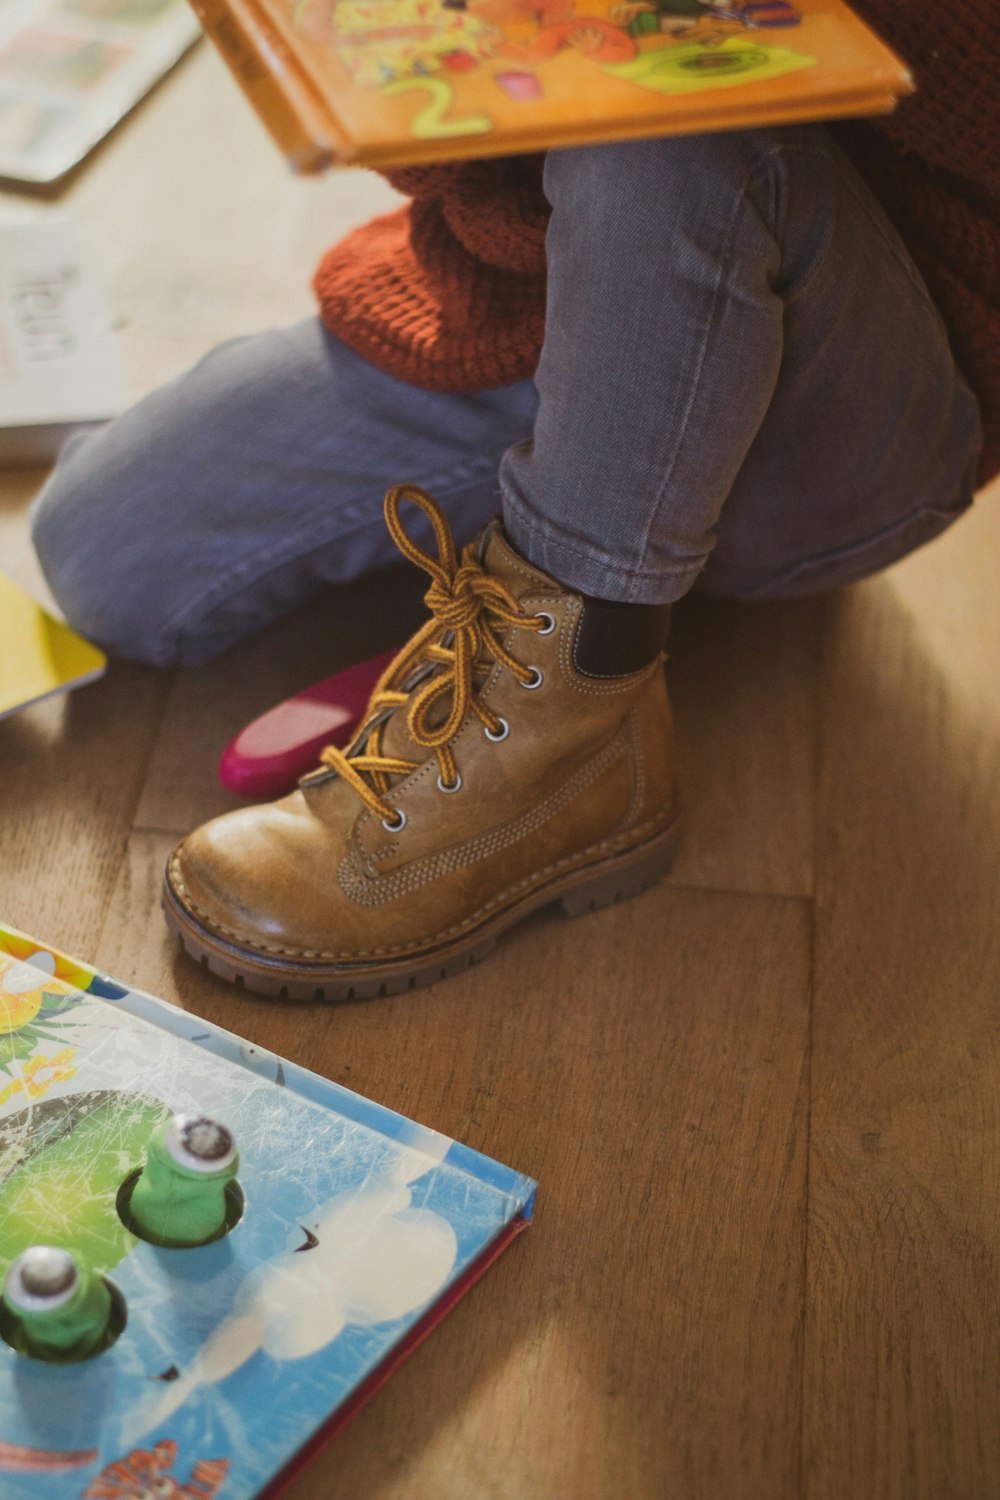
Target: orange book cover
394,82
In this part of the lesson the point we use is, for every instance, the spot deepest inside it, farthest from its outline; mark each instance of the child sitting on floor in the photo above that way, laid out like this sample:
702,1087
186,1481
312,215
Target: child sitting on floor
762,363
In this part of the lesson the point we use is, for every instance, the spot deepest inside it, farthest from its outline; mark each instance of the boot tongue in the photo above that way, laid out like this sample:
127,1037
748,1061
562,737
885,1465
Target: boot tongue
500,560
497,557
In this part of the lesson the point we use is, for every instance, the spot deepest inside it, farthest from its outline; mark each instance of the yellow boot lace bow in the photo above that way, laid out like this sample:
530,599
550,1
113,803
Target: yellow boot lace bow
465,601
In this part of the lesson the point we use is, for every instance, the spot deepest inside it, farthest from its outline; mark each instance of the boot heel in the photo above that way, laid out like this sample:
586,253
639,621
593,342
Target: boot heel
623,880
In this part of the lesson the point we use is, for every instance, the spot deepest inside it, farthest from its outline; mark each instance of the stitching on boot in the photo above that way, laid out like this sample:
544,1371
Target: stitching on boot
367,892
367,824
604,847
638,766
592,686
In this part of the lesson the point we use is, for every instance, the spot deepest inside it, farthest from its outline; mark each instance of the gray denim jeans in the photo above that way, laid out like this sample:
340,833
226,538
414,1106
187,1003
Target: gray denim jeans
744,383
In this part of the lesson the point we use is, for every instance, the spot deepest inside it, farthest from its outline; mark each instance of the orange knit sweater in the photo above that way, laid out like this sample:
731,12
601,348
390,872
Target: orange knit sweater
449,291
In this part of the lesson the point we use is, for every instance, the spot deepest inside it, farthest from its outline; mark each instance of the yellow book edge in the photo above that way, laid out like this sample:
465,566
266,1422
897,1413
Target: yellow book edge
283,93
842,107
39,656
295,105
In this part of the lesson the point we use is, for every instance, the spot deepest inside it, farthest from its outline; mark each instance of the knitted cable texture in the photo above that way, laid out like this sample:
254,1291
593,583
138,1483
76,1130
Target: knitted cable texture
448,292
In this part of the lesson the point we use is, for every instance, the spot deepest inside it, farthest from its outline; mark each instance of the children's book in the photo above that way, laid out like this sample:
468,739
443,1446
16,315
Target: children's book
69,71
38,654
393,82
224,1366
60,370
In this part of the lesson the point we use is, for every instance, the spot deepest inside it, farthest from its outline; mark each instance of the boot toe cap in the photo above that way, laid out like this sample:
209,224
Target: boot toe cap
256,877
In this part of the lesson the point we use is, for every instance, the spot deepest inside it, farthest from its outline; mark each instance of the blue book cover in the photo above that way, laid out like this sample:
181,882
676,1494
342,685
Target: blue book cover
351,1232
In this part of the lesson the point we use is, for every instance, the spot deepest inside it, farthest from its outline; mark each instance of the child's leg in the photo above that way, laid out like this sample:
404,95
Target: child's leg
735,343
234,493
739,355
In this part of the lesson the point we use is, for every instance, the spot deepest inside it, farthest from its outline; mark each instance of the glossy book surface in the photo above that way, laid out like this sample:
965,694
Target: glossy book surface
353,1230
386,82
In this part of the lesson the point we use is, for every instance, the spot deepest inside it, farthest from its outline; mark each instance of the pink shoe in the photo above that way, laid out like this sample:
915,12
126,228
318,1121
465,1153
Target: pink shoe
267,758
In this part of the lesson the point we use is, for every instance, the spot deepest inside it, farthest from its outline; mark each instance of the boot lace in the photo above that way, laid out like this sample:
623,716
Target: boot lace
468,607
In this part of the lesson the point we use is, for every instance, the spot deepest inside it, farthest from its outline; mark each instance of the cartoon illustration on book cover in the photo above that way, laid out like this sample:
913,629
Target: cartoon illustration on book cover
323,1260
146,1474
425,46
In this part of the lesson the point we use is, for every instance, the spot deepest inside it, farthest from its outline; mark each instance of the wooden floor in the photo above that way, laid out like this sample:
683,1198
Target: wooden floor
762,1101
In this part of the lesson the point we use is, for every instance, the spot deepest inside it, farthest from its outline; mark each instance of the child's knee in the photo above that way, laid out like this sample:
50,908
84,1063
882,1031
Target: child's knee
103,585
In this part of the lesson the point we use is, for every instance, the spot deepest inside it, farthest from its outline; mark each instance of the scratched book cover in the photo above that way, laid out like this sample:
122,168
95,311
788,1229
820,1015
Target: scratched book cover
349,1227
385,82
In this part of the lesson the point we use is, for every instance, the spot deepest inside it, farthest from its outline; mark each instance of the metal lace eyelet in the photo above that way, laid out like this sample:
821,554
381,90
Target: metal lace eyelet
535,680
394,827
543,614
450,787
501,733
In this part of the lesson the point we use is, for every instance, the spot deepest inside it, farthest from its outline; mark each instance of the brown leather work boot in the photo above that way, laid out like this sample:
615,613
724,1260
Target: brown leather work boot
517,752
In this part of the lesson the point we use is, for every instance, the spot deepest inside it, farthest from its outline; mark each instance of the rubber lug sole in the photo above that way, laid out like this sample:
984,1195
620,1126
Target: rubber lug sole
585,891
